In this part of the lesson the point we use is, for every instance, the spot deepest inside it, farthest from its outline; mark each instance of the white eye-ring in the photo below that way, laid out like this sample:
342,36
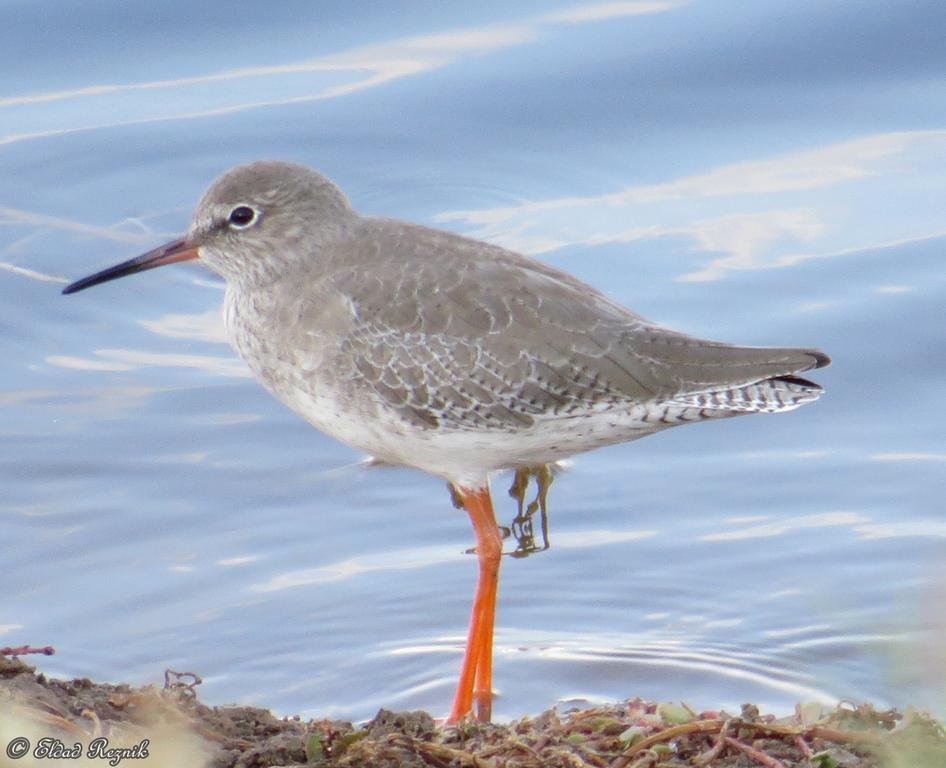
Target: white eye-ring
242,216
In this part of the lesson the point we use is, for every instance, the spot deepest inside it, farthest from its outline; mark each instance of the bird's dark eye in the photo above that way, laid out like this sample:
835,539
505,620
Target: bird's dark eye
242,216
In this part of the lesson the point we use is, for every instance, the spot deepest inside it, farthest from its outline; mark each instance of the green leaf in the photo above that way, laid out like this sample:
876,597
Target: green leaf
313,748
632,735
823,760
673,713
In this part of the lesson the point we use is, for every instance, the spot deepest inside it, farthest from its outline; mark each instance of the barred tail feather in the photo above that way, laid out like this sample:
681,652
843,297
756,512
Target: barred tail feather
782,393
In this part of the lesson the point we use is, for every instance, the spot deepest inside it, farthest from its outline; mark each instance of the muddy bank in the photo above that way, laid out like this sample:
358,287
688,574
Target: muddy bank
81,723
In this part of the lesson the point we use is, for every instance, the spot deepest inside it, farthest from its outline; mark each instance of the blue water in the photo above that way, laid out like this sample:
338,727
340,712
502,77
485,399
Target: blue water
762,173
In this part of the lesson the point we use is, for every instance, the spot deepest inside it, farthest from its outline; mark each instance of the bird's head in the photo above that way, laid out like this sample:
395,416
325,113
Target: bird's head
250,225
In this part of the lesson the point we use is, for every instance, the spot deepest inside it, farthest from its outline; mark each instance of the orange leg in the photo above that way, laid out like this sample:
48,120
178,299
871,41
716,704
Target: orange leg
476,674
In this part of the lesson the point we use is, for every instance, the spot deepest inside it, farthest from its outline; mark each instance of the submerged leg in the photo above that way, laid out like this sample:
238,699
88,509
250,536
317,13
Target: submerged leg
474,689
522,527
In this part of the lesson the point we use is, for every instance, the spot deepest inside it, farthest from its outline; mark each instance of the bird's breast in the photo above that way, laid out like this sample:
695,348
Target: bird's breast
294,342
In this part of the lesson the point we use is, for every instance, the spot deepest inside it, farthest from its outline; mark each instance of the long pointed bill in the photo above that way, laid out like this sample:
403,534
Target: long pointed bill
176,250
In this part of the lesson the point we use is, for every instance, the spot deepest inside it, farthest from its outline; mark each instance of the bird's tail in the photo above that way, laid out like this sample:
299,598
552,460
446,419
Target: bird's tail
780,393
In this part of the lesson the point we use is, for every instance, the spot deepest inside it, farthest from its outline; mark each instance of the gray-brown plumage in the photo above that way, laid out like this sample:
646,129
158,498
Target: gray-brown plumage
433,350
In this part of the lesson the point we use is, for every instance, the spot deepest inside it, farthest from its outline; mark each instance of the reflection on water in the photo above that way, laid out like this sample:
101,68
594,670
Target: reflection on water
776,178
327,77
699,208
